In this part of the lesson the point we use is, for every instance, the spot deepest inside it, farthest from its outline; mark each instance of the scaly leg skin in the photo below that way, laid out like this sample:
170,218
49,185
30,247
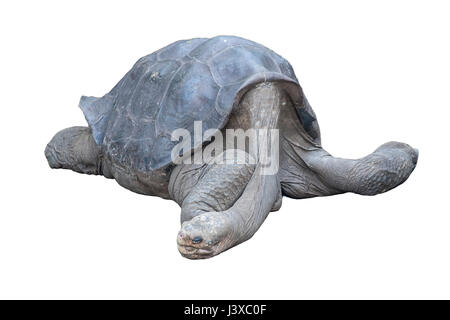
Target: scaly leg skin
387,167
74,148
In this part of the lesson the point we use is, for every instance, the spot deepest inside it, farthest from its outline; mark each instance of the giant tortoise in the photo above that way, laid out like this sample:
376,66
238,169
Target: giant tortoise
218,85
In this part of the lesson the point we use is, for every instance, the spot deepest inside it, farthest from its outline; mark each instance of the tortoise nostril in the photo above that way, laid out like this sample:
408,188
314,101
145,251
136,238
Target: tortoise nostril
197,240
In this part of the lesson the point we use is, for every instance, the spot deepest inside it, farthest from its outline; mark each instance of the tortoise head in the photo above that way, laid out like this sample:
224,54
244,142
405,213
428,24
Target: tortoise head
204,236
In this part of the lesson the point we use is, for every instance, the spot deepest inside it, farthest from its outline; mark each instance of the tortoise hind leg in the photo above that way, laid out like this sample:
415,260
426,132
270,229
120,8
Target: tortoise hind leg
74,148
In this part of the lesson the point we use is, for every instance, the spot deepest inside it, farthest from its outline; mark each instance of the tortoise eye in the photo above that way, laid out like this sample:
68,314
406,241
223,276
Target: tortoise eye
197,240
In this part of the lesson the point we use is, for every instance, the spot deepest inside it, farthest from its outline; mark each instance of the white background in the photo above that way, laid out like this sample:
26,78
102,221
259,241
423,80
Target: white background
374,71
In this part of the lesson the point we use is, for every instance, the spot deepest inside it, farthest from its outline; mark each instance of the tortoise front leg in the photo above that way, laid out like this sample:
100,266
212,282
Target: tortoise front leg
384,169
225,208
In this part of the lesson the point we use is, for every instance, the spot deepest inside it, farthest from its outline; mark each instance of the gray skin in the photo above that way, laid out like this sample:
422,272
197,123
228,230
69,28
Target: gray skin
223,205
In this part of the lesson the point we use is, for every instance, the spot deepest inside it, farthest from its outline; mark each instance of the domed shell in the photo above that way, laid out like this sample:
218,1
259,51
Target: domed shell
187,81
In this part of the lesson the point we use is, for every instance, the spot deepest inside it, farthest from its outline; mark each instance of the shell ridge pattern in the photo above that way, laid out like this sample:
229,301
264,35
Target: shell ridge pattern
163,98
195,59
197,79
209,61
231,47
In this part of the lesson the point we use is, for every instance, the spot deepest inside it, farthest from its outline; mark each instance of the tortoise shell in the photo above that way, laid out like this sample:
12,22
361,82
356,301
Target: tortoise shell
189,80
